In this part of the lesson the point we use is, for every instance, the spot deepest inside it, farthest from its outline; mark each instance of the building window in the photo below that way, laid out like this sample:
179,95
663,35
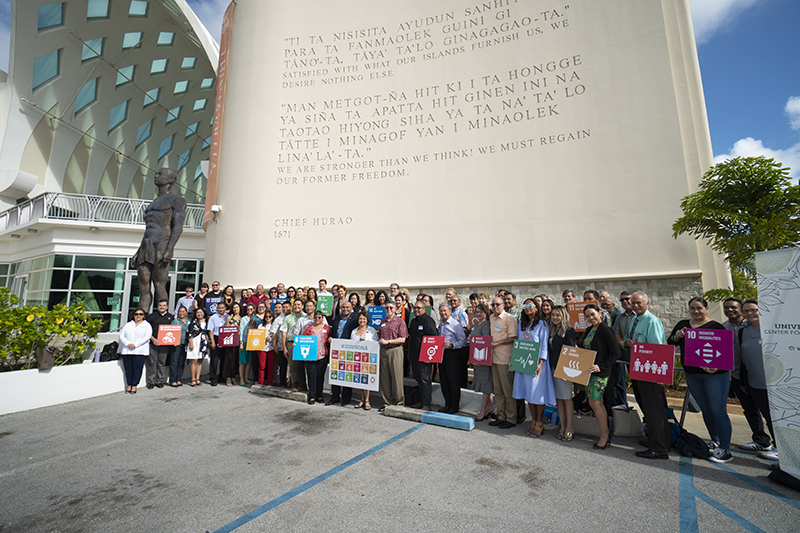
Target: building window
173,114
118,115
151,96
166,38
92,48
191,130
198,171
97,9
207,83
86,95
144,132
45,68
131,40
188,63
199,105
50,15
125,75
206,143
181,87
158,66
184,158
166,146
138,8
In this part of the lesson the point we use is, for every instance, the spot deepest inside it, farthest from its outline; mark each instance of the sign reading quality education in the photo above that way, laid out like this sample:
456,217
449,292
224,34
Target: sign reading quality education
305,348
432,349
525,357
574,363
480,350
355,364
652,362
709,348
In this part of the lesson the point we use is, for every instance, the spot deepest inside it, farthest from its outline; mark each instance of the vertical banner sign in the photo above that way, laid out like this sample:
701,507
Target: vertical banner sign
169,335
229,336
709,348
574,363
779,311
256,340
576,318
305,348
325,304
219,101
525,357
376,314
355,364
480,349
652,362
211,303
432,349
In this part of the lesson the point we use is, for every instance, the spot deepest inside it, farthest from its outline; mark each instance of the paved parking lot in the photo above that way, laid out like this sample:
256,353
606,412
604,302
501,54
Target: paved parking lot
224,459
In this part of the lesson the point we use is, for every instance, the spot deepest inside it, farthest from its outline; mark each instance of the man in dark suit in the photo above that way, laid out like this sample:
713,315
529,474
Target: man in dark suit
343,326
421,325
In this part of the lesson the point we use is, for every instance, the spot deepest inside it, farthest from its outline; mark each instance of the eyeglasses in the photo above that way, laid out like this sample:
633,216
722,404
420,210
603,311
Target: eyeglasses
528,306
497,305
138,314
624,299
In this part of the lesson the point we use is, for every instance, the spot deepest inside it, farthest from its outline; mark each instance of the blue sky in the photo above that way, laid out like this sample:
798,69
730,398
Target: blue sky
749,59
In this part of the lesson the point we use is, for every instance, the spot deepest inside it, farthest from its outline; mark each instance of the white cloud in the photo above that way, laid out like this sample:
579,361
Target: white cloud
749,147
792,109
710,16
210,13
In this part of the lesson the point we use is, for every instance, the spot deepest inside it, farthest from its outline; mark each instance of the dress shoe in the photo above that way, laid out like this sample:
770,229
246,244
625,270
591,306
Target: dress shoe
495,422
160,385
651,454
151,386
444,409
645,443
506,425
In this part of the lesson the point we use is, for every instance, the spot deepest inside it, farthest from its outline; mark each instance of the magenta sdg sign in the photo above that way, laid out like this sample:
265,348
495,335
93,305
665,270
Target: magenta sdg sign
709,348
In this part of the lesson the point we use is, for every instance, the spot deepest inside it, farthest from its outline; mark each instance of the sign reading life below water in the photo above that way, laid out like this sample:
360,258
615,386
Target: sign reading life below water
709,348
525,357
652,362
574,363
355,364
376,314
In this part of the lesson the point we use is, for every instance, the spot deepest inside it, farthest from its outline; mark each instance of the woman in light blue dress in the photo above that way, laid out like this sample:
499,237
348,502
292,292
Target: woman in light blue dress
535,389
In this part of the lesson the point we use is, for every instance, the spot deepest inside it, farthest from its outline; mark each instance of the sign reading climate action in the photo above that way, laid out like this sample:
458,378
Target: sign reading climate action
355,364
709,348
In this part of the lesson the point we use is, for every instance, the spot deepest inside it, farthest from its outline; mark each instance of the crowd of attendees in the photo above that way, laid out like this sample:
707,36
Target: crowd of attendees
286,312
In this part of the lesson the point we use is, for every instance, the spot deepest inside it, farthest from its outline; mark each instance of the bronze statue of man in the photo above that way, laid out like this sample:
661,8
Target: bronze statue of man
163,221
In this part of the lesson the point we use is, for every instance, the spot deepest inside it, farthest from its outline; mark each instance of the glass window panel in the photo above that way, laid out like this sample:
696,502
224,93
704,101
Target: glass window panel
63,261
165,38
166,146
207,143
86,95
207,83
192,129
151,96
173,113
40,263
198,171
144,132
55,298
118,114
131,39
99,262
202,268
92,48
39,281
173,264
4,269
181,87
188,62
97,280
45,68
158,66
36,298
125,75
184,281
110,321
199,104
97,9
185,265
23,266
184,158
50,15
3,281
60,279
138,8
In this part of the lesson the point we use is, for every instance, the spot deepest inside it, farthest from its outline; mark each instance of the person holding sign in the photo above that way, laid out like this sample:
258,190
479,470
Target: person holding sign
364,332
561,334
315,370
504,332
421,325
599,337
198,344
177,356
134,339
536,389
455,341
246,356
392,332
482,374
230,357
708,386
157,361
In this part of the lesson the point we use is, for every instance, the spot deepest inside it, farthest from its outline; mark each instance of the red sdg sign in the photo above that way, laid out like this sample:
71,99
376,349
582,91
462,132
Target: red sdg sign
432,349
228,336
652,362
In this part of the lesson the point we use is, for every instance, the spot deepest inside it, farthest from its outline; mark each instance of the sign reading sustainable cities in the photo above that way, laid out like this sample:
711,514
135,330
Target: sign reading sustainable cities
305,348
709,348
169,335
652,362
574,363
525,357
576,318
355,364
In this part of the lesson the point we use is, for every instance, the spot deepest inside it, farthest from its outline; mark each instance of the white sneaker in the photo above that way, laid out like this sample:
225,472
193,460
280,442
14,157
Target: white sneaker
713,445
771,453
753,447
620,407
720,455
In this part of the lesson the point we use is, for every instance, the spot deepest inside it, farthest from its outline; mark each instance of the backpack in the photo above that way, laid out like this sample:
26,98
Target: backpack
690,445
109,352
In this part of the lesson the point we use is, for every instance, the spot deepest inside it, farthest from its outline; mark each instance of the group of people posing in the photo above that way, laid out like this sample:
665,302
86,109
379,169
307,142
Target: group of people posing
288,312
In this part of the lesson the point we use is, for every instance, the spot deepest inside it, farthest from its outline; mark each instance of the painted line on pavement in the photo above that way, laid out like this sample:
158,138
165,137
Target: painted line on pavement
255,513
686,495
749,526
759,486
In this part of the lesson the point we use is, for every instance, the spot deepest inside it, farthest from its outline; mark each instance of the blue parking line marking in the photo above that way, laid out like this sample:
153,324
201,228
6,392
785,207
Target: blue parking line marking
760,486
749,526
686,495
255,513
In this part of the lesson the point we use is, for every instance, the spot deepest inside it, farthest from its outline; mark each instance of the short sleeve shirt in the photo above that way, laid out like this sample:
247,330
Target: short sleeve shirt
393,329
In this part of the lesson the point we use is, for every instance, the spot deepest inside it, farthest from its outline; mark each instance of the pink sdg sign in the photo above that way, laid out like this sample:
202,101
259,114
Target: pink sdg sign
710,348
652,362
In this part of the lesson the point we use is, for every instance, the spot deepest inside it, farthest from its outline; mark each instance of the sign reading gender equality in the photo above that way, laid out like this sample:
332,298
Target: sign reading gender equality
169,335
432,349
652,362
305,348
574,363
355,364
229,336
376,314
709,348
480,350
525,357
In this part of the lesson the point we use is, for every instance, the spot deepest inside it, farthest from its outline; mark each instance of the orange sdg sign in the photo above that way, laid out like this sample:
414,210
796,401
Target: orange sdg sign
169,335
256,339
576,318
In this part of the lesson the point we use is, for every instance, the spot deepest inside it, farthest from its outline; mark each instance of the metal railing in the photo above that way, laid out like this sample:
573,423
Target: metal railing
87,208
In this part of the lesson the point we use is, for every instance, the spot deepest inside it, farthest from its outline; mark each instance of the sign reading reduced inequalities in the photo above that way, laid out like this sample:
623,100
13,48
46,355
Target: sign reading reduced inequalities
652,362
480,349
355,364
169,335
432,350
574,364
305,348
709,348
525,357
